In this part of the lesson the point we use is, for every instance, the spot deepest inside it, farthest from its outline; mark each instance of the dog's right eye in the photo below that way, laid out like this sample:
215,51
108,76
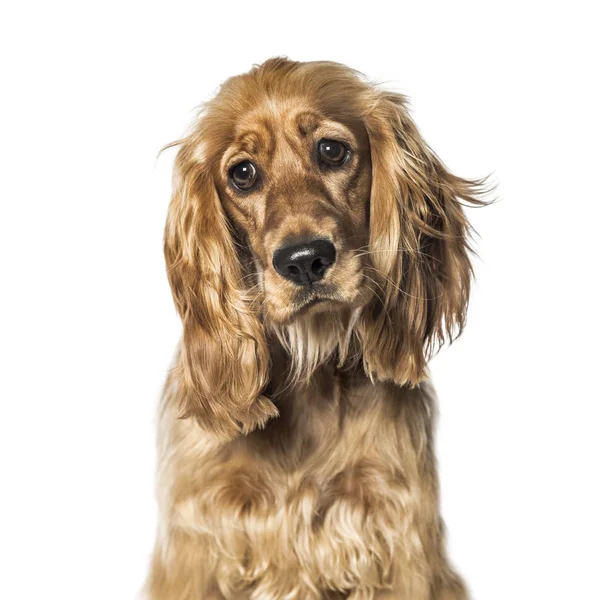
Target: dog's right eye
243,175
332,152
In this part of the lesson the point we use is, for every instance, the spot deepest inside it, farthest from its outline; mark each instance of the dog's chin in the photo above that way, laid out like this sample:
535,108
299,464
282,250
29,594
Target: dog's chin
300,306
312,302
317,305
295,310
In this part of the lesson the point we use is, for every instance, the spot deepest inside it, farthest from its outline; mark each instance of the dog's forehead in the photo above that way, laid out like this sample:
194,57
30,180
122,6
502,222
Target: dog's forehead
262,127
283,123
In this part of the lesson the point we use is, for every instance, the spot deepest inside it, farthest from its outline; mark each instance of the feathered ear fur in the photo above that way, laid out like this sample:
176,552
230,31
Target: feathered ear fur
418,247
223,362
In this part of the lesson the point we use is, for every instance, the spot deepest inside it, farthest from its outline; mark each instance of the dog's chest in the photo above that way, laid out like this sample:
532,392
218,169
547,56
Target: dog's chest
332,531
317,496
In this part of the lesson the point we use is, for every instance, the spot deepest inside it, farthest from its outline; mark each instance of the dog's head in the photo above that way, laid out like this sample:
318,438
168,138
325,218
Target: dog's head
307,208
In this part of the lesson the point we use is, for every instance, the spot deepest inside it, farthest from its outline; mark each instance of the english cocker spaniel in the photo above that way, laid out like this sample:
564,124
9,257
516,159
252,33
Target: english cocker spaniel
318,254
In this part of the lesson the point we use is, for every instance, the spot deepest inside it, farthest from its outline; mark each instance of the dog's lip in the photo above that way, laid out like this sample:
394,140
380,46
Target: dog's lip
313,300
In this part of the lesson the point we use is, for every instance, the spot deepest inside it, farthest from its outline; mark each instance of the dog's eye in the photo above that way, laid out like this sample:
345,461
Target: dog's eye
244,175
332,152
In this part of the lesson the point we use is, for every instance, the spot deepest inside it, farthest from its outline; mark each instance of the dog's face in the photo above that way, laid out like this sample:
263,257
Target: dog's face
309,210
296,183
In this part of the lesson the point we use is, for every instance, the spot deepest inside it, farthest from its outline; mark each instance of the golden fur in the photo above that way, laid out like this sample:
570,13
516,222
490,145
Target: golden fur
304,467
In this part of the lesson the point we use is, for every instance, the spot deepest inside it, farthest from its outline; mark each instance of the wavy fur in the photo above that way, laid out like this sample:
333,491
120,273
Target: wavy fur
296,438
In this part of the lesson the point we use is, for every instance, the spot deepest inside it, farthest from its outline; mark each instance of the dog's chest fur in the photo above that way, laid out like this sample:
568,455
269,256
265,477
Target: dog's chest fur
327,496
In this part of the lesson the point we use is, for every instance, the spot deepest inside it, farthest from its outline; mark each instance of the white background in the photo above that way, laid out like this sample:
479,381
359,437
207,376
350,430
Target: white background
92,91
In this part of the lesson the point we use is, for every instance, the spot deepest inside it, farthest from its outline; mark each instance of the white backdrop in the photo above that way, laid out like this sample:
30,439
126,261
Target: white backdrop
92,91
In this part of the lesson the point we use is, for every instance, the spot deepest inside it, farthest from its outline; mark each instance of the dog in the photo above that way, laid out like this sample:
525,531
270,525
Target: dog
318,254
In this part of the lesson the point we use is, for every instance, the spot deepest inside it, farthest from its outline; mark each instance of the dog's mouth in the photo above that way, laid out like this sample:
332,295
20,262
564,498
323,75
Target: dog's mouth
316,299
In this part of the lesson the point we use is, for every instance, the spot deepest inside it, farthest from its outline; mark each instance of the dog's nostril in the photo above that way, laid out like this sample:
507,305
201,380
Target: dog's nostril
305,263
318,267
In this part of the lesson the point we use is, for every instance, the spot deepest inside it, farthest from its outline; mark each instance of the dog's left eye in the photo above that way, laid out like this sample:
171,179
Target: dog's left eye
244,175
332,152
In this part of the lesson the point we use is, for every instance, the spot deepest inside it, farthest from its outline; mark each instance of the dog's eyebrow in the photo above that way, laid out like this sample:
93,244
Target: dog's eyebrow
306,122
258,140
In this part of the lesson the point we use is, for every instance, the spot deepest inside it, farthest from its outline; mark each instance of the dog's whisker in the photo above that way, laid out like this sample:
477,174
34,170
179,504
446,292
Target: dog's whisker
400,289
359,254
380,300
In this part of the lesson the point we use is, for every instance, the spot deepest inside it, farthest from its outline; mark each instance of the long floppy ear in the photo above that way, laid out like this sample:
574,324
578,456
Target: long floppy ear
223,362
418,247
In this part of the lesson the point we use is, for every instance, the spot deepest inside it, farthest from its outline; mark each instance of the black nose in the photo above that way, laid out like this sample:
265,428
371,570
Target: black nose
306,262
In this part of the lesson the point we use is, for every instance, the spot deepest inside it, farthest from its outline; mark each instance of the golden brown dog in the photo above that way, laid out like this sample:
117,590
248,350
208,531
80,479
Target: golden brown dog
317,252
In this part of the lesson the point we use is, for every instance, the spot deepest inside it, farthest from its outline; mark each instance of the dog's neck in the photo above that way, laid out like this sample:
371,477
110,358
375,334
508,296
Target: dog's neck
313,342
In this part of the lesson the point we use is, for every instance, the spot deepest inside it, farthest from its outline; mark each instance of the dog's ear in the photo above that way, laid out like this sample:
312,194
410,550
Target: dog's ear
223,363
418,246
